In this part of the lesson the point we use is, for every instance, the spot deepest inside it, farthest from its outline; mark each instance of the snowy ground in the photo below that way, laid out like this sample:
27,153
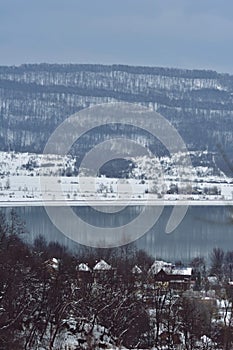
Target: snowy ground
31,178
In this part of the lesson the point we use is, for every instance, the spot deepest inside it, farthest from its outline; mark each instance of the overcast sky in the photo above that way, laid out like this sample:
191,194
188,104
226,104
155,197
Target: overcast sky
173,33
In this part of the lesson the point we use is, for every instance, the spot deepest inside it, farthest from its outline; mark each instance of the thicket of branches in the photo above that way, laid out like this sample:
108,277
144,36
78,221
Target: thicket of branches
37,304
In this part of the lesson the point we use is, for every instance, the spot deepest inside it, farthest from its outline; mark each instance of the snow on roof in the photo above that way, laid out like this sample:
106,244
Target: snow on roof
136,269
54,260
212,279
102,265
54,263
186,271
158,265
83,267
207,340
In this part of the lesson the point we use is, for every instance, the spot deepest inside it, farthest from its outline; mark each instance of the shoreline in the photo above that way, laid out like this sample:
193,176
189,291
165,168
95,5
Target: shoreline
104,203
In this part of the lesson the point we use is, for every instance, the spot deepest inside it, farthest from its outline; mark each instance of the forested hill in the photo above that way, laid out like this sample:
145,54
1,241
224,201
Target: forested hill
35,98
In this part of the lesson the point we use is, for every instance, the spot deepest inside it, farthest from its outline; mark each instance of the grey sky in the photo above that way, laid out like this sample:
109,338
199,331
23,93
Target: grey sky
174,33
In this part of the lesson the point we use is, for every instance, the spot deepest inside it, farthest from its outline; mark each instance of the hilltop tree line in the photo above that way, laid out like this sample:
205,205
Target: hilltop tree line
37,98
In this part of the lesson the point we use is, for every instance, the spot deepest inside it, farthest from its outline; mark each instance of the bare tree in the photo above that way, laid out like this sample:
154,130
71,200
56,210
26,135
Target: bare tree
217,262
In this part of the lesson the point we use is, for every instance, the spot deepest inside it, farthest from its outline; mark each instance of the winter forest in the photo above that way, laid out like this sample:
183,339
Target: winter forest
119,298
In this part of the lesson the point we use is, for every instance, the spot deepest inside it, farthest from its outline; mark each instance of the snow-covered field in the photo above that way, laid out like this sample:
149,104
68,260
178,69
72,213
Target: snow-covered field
32,178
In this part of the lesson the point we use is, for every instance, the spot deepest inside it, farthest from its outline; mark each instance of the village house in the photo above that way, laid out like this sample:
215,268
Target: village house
84,273
103,271
168,276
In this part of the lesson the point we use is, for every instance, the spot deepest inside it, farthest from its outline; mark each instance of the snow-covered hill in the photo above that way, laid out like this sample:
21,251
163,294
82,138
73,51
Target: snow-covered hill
31,177
34,99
